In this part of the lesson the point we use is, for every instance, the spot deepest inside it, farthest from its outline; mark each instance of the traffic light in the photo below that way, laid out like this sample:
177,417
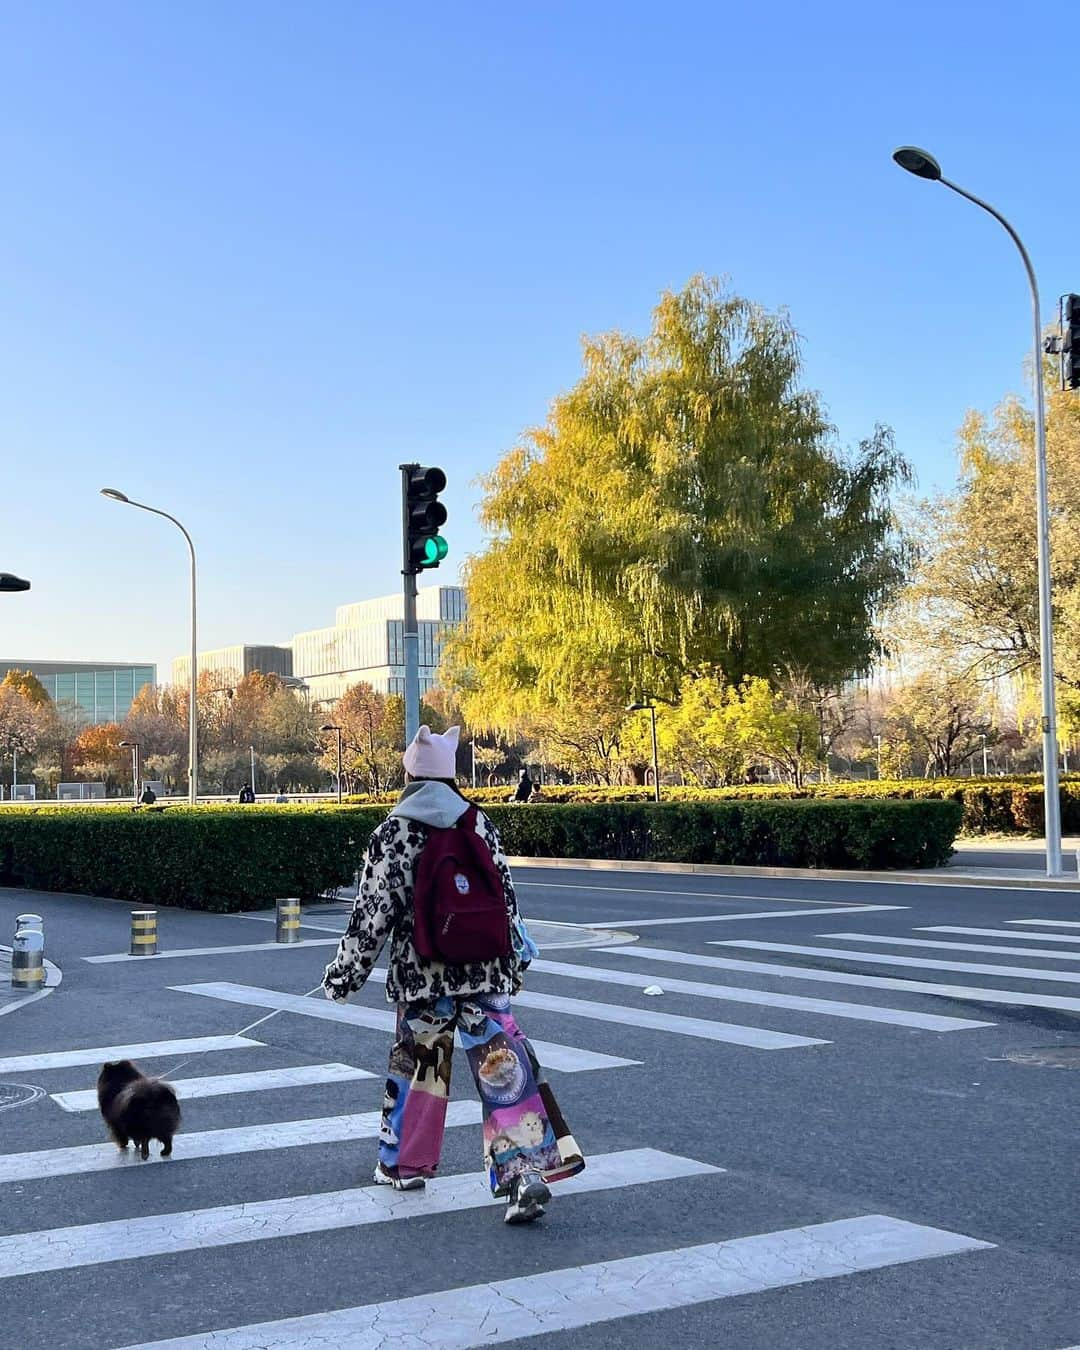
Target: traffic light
1070,342
422,514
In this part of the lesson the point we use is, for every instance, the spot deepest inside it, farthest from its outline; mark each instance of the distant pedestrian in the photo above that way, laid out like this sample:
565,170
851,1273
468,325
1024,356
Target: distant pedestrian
458,950
247,794
149,796
281,798
524,788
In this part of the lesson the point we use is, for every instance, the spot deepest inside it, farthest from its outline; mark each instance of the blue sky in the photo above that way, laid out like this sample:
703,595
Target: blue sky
255,254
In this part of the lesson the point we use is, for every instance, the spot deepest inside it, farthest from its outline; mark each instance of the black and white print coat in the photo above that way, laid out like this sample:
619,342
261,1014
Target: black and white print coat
384,911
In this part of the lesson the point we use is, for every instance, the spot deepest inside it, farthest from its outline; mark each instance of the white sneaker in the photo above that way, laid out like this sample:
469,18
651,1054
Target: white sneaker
529,1194
383,1178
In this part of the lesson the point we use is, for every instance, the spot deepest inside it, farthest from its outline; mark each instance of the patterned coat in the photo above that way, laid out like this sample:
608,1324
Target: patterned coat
383,910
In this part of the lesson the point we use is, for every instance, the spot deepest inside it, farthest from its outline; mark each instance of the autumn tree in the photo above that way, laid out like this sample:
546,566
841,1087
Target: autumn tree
943,715
97,755
20,728
683,509
974,600
26,683
372,739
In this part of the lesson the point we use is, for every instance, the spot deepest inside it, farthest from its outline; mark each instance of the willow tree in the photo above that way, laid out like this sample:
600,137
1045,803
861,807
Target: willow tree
683,509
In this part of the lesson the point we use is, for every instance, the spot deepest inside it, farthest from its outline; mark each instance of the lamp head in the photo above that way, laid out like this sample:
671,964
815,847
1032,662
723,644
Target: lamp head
114,494
329,727
9,582
918,162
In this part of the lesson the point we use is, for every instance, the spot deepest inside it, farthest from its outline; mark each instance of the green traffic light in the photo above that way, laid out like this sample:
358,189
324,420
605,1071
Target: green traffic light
435,550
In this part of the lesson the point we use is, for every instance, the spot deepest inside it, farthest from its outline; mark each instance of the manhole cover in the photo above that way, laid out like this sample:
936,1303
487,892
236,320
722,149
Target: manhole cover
18,1094
1047,1057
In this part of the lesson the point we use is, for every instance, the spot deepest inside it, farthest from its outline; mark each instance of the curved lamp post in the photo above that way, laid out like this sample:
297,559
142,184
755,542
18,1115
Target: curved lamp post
115,495
133,746
924,165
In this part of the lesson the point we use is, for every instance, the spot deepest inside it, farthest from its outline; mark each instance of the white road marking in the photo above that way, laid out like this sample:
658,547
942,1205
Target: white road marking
1010,933
1050,923
564,1058
694,895
631,924
857,1012
623,1015
226,1084
958,992
99,1054
113,958
607,1291
919,962
956,946
106,1157
130,1240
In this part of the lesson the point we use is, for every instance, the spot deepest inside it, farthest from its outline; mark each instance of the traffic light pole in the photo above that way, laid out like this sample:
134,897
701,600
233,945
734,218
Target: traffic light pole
411,628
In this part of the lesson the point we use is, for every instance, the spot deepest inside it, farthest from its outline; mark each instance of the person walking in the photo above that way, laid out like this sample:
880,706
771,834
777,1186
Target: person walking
282,798
524,788
148,797
247,794
433,867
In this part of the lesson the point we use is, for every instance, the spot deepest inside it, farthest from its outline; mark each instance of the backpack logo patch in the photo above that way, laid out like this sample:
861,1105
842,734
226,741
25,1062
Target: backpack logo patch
461,881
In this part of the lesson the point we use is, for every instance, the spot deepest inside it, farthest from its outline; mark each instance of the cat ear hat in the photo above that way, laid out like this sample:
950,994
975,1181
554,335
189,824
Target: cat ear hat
431,755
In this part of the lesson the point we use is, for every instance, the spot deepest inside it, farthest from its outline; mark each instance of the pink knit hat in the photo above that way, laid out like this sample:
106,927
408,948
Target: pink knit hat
431,755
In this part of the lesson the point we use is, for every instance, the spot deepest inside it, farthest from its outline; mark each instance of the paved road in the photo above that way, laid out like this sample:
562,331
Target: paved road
837,1127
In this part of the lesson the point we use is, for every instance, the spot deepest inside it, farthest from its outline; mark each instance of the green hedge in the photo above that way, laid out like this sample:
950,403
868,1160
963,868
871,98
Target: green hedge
214,858
990,805
243,857
843,834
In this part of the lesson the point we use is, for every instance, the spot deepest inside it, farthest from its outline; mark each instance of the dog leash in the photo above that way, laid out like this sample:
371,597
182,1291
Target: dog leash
242,1032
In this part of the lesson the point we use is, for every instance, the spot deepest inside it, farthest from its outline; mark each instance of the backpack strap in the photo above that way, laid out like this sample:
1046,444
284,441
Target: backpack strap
468,820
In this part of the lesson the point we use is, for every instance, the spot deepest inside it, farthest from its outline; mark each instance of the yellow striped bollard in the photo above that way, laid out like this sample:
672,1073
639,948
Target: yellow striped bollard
288,920
144,932
28,957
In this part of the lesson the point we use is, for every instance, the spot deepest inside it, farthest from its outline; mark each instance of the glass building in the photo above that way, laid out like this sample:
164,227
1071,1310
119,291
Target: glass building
103,691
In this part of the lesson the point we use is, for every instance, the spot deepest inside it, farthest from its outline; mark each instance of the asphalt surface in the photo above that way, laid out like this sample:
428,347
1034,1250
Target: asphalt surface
970,1130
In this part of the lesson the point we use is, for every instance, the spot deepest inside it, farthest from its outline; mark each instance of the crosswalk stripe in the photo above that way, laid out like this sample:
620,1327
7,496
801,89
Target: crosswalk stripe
958,992
1000,933
105,1157
919,962
563,1058
582,1296
1038,952
1050,923
623,1015
631,924
99,1054
227,1225
226,1084
112,958
858,1012
663,894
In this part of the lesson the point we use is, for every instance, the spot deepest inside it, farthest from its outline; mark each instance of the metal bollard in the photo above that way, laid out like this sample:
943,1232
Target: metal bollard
288,920
28,960
34,921
144,932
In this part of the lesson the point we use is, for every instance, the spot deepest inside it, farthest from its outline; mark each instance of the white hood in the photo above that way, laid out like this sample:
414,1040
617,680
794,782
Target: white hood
432,804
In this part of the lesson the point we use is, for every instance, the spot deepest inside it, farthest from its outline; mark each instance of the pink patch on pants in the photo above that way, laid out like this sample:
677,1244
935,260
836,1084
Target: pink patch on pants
422,1125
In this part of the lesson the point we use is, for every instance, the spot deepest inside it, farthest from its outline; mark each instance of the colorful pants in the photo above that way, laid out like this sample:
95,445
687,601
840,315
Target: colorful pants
523,1128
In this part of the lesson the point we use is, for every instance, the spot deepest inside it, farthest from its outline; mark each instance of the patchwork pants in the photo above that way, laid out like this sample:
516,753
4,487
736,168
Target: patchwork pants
524,1130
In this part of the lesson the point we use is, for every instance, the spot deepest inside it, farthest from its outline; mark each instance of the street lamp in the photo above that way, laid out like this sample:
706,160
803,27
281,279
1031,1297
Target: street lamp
986,770
133,746
924,165
651,709
115,495
329,726
11,583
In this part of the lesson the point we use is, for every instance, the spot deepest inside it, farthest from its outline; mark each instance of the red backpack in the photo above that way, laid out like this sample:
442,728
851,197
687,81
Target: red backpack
459,906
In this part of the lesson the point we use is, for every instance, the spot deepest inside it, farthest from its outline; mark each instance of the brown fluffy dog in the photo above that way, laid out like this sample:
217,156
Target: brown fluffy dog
137,1108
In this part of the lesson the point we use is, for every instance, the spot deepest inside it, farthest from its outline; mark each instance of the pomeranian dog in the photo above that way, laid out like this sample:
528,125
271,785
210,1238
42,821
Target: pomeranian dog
137,1108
